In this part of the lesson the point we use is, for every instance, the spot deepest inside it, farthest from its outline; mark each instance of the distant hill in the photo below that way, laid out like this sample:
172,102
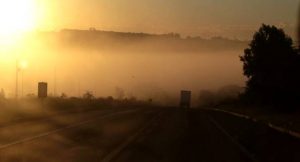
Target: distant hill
110,40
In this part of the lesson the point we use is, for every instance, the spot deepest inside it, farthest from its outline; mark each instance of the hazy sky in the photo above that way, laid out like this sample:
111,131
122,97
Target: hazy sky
232,18
205,18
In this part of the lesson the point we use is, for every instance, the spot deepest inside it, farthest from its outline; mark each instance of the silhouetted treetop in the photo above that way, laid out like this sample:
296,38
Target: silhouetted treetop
271,64
268,45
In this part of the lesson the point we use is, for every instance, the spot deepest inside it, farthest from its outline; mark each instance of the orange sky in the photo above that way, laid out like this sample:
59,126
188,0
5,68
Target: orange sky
231,18
206,18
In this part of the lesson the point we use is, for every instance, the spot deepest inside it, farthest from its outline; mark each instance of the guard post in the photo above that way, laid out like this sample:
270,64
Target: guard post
42,90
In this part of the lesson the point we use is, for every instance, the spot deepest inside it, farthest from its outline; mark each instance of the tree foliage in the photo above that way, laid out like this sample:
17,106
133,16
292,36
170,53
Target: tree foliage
88,95
272,66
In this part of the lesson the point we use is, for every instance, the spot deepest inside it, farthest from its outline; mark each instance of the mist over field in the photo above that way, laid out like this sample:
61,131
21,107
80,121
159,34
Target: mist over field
124,64
149,80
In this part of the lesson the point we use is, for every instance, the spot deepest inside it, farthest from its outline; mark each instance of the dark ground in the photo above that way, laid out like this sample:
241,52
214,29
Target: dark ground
208,136
146,135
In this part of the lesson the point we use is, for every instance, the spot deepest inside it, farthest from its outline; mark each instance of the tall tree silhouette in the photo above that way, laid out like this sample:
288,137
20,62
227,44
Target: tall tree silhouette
272,67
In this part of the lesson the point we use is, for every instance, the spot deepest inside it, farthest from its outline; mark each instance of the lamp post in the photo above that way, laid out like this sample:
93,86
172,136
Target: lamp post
22,92
17,78
23,66
20,66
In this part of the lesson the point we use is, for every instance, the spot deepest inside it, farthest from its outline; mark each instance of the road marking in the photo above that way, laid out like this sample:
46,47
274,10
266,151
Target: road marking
269,124
235,142
109,157
29,139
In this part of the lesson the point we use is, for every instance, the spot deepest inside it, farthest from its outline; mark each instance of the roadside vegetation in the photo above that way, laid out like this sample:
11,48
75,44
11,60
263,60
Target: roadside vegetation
18,110
271,65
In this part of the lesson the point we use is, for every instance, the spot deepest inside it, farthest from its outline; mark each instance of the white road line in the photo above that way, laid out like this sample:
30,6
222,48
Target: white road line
109,157
25,140
269,124
241,147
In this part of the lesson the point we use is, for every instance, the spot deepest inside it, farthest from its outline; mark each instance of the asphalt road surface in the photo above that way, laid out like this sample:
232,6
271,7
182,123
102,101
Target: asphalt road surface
145,135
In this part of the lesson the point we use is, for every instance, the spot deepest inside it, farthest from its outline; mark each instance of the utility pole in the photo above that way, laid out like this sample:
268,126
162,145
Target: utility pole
22,94
17,78
79,89
54,88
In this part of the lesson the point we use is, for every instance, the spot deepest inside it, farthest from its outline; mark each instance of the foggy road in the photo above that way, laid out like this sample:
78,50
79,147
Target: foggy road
149,81
64,134
141,134
208,136
184,136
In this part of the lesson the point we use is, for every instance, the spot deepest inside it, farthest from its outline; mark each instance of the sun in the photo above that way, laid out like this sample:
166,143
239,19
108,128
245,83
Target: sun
23,64
17,16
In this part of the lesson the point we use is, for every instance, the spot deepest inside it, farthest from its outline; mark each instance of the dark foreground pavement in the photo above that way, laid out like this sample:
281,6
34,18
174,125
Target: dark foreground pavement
186,136
208,136
152,135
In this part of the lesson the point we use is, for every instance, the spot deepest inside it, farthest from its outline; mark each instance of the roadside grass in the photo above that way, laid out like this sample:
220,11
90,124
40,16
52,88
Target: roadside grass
14,111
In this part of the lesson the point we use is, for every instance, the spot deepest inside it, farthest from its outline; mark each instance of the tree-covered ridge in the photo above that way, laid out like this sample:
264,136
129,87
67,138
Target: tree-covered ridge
111,40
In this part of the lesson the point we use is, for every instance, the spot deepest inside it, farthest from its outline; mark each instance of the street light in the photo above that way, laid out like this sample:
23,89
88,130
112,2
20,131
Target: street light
20,66
23,66
17,77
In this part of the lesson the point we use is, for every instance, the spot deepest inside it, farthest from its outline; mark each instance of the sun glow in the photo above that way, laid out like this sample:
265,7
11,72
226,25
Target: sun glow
17,17
23,64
